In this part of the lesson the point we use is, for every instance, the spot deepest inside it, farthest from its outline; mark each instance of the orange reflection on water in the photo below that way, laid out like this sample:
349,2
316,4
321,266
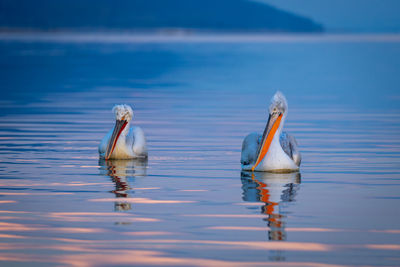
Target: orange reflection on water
249,228
78,230
27,160
72,240
148,233
56,214
15,211
271,190
271,245
79,216
383,246
16,227
70,248
75,184
226,215
96,252
147,188
144,258
240,228
139,258
144,220
9,218
391,231
11,236
298,229
141,200
193,190
96,216
7,201
33,194
89,166
251,204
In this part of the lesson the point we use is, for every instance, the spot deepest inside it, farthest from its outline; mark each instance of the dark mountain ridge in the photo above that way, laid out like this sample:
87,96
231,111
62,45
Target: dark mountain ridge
207,15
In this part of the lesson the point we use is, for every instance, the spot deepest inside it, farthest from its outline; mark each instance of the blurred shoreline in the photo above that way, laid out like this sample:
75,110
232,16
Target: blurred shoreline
177,36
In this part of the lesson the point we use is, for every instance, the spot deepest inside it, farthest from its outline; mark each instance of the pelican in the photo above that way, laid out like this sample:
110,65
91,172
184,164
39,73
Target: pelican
274,151
123,142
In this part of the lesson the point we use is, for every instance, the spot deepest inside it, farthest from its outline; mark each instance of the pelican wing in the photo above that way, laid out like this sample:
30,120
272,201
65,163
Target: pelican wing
289,145
139,145
103,144
249,148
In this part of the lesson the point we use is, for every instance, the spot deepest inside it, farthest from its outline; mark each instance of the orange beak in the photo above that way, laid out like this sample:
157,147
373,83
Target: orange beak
119,127
273,123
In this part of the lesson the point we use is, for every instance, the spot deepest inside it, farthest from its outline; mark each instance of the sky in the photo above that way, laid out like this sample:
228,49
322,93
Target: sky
365,16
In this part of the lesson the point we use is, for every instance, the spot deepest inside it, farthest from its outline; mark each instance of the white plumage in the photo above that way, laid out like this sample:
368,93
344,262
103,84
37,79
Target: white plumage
123,141
275,150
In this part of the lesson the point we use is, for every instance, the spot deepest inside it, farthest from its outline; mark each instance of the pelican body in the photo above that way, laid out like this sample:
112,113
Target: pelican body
274,150
124,141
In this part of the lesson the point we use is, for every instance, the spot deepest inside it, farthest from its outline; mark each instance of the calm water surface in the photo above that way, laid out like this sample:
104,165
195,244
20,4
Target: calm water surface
189,204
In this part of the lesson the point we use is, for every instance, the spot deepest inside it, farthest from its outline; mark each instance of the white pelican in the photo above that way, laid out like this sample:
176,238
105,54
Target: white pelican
274,151
123,142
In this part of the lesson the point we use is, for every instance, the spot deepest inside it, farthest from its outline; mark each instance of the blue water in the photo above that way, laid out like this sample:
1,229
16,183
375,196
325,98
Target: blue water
189,204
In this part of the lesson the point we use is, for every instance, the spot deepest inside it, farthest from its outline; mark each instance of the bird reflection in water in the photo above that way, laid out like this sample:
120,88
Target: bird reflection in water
273,189
120,170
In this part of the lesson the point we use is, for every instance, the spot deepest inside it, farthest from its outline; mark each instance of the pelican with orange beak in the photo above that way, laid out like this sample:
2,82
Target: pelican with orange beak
274,151
124,141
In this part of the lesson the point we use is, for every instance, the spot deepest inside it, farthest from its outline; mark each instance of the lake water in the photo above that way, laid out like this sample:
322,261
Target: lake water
196,99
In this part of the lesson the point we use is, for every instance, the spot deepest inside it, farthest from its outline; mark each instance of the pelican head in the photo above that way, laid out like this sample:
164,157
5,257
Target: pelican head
123,115
277,113
278,104
123,112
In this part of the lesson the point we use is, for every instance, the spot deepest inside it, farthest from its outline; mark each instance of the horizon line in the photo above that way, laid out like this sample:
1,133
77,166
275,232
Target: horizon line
185,37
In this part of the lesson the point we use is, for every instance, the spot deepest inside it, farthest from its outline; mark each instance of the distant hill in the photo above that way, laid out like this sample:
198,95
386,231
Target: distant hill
203,15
